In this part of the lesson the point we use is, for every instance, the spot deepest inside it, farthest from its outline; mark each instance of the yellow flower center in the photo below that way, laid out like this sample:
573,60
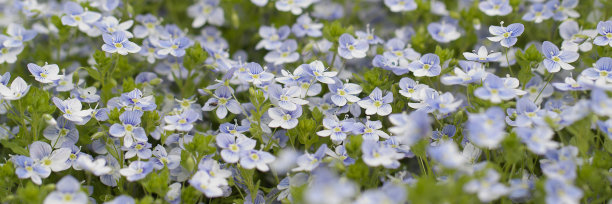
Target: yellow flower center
254,157
118,45
67,197
377,103
47,162
234,147
603,73
286,117
222,101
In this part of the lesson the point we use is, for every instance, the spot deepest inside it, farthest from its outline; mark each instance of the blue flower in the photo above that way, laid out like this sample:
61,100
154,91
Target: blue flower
446,134
68,190
569,84
119,43
137,170
375,154
496,89
375,103
181,122
401,5
162,158
349,47
272,38
563,9
110,25
428,65
135,101
507,36
604,28
600,103
287,98
8,54
233,146
520,189
443,32
223,101
447,154
17,34
308,162
488,188
97,167
444,103
410,128
341,154
72,109
369,36
128,128
555,59
206,11
62,132
371,130
256,74
317,70
410,89
86,95
283,54
486,129
122,199
174,46
25,168
495,7
207,184
538,140
256,159
482,55
537,13
140,149
149,27
606,127
76,16
558,191
564,170
336,129
295,6
527,113
19,88
343,93
601,72
284,118
470,72
305,26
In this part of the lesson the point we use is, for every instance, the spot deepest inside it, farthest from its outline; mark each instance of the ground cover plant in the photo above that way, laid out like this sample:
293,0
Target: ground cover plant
305,101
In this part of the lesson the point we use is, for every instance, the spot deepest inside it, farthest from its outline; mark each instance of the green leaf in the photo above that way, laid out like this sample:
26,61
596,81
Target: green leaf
157,182
93,73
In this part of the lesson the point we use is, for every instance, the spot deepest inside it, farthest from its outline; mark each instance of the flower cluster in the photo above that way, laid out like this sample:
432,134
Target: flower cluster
306,101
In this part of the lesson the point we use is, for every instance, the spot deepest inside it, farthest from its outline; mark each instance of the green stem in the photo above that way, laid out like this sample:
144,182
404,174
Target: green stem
550,77
508,61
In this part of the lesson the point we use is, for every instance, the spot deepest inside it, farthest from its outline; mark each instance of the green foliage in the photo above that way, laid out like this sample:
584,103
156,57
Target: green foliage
527,60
